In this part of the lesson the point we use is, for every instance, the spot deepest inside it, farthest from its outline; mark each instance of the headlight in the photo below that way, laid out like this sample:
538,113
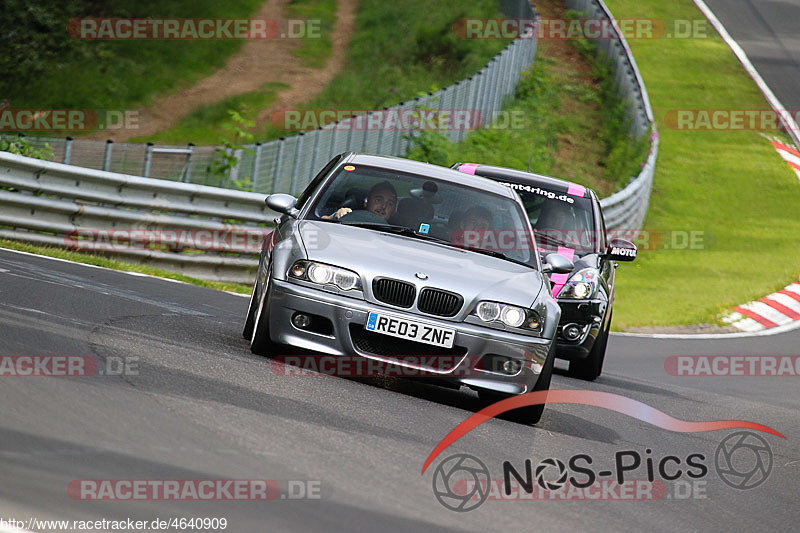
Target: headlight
581,285
510,315
488,311
323,274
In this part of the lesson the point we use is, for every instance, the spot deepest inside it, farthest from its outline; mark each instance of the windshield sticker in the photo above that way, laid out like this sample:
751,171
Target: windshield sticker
576,190
349,168
468,168
542,192
424,228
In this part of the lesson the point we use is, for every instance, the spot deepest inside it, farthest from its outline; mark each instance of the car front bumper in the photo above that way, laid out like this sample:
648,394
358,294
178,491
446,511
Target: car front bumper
343,334
588,316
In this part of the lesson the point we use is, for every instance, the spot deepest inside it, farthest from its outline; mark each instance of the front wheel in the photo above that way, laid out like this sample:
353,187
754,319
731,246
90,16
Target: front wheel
589,369
260,340
530,414
247,331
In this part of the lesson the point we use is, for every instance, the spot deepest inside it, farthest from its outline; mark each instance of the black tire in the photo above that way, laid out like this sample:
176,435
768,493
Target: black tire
589,369
531,414
260,341
247,331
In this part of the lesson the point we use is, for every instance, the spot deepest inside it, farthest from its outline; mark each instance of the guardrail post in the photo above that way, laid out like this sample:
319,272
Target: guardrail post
187,167
485,110
296,167
278,160
148,157
256,165
107,156
67,150
334,134
384,121
314,149
365,125
233,175
400,130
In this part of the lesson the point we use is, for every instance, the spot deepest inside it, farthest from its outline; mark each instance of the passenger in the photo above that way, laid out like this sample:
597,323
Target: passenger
476,218
556,226
381,200
472,228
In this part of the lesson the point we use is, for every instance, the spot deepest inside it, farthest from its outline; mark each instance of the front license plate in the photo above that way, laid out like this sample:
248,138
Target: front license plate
410,329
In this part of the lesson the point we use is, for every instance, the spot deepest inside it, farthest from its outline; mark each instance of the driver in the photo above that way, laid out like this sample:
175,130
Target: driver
557,226
381,200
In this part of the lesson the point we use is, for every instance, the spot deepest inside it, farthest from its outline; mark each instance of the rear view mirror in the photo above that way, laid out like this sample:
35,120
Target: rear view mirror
622,250
557,264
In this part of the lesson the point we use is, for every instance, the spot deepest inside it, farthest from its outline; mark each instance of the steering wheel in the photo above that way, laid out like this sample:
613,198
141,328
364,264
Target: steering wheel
362,216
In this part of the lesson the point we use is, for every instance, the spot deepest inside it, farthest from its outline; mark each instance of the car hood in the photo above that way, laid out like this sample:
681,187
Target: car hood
376,254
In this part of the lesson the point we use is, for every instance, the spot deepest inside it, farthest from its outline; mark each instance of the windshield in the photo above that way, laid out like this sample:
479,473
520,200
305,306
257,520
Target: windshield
420,206
559,219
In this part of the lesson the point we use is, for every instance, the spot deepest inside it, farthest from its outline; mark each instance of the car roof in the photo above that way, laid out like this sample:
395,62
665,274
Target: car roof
520,176
434,171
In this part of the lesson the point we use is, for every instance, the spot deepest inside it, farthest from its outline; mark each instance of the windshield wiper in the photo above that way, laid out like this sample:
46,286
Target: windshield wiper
500,255
549,239
397,230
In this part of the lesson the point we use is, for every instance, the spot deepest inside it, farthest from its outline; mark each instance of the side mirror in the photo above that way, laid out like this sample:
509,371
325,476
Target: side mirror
621,250
283,203
557,264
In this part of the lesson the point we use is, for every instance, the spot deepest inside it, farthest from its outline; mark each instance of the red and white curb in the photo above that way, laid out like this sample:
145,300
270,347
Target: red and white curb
777,309
790,155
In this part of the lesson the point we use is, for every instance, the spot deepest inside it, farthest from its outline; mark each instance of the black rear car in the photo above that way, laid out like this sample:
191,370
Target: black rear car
567,219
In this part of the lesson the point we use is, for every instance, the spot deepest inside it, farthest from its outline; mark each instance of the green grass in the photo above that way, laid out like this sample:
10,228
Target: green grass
120,265
400,49
731,185
315,51
207,124
45,68
397,51
558,121
51,70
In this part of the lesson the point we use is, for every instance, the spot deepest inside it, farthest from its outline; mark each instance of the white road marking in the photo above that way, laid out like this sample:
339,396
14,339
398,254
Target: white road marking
786,301
762,309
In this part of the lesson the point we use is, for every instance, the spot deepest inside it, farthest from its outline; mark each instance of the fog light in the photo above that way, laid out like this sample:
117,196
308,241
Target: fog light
511,366
301,321
571,332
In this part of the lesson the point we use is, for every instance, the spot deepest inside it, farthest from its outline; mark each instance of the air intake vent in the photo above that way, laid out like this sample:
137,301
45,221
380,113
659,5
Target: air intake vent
438,302
394,292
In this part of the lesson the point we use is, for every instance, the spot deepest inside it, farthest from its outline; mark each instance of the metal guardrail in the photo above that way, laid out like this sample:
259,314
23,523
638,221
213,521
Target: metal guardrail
52,203
79,208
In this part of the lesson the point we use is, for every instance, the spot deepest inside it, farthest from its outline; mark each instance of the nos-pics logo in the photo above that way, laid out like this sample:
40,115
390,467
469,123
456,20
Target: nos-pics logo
462,482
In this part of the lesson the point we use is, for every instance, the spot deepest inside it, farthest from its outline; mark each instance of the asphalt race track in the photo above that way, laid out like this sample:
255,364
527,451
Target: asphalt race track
767,30
196,404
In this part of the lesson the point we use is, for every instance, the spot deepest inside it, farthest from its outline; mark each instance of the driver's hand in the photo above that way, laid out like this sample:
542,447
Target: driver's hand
342,211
